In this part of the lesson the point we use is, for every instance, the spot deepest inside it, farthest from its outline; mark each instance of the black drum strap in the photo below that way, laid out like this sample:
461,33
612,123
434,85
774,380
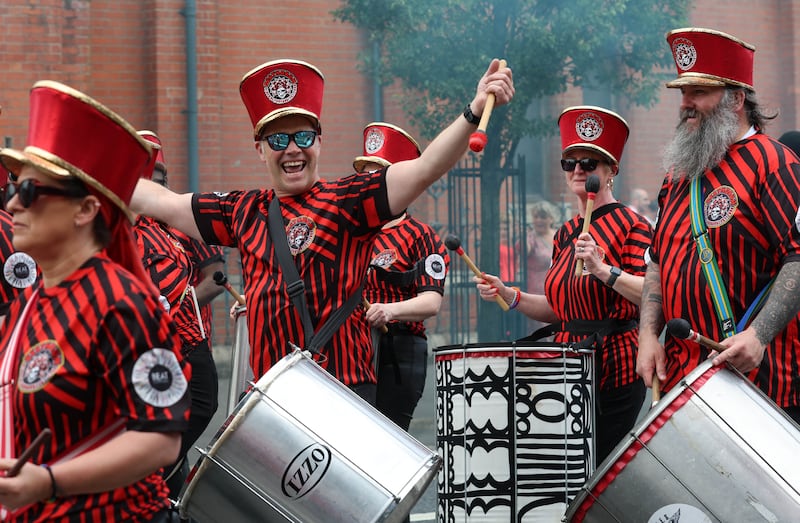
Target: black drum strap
297,289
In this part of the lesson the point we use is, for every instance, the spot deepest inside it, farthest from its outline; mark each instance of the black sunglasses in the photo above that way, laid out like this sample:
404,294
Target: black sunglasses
29,191
280,141
587,164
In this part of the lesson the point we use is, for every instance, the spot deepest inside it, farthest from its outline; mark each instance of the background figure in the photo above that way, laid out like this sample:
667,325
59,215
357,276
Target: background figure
508,255
329,225
89,352
791,139
746,189
539,254
206,260
404,286
170,268
599,308
640,202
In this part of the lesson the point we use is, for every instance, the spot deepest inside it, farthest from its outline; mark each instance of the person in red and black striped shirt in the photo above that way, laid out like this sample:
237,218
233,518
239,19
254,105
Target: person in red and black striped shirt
404,286
330,225
89,352
749,196
172,271
601,306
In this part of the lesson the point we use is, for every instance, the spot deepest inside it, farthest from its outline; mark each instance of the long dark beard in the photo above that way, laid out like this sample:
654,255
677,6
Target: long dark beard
692,151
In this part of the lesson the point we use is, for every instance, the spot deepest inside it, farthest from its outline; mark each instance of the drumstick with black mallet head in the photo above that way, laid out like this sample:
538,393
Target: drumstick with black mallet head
592,186
222,280
680,328
478,139
454,244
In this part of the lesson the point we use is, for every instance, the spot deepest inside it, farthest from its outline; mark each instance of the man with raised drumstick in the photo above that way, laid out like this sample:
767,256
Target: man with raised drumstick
330,225
728,221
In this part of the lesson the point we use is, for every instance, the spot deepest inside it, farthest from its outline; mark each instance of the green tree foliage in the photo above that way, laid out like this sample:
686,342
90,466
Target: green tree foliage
439,49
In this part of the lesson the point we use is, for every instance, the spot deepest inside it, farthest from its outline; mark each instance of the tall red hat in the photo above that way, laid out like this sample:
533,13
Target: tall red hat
159,162
709,57
589,127
71,134
280,88
386,144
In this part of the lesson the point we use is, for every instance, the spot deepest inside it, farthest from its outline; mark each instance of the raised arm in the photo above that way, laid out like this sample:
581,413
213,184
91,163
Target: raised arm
151,199
407,180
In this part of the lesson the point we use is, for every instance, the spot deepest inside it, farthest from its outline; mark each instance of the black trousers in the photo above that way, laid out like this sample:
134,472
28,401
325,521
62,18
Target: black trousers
616,411
204,388
402,369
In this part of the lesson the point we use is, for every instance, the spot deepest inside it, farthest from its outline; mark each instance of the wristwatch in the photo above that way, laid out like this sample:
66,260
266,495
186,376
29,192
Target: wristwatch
470,116
615,272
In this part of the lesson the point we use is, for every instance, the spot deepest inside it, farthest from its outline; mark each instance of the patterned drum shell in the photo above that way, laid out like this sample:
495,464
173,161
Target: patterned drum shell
514,428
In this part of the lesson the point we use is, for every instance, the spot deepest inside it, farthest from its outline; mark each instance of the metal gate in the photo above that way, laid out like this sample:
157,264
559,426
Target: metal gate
486,212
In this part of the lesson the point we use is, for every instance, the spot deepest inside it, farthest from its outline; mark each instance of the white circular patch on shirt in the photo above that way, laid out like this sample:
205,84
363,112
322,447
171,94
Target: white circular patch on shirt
797,220
158,379
19,270
434,267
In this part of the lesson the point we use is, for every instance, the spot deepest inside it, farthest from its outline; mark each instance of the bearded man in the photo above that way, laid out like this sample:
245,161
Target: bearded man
733,273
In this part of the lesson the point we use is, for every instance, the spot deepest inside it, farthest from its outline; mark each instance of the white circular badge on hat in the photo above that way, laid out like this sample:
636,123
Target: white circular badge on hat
589,126
280,86
685,53
374,141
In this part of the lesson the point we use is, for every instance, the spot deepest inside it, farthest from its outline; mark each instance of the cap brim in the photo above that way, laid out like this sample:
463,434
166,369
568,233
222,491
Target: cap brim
14,160
280,113
361,161
590,147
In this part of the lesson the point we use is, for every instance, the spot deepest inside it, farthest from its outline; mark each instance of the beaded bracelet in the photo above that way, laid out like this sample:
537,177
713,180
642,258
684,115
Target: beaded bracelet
515,301
52,483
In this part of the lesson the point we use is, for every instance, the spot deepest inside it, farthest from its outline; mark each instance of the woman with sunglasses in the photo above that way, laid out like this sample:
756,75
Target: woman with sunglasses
599,308
87,353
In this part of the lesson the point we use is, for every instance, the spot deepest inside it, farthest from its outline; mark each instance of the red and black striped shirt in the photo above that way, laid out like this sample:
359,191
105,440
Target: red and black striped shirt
407,259
168,265
97,348
751,202
624,236
330,229
201,255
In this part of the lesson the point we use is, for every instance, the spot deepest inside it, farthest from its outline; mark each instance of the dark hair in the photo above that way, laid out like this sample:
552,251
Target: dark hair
755,114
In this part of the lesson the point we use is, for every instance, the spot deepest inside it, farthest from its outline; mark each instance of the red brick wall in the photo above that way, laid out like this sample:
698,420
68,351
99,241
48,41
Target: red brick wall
130,55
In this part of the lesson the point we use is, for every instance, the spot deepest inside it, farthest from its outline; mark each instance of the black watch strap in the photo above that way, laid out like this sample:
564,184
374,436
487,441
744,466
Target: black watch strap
615,272
470,116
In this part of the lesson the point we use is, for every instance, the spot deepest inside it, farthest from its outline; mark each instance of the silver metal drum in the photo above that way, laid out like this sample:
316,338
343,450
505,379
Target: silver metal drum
714,449
515,430
302,447
241,373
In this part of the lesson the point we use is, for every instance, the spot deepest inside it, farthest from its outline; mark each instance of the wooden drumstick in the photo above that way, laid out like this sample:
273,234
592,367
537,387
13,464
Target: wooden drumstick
656,384
41,439
454,244
478,139
592,185
221,279
367,305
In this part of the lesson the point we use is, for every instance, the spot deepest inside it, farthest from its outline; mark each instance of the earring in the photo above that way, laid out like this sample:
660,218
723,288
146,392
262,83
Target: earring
610,183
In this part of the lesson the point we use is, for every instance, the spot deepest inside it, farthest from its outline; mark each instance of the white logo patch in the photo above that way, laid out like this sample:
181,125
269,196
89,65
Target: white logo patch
797,220
679,513
280,86
685,53
589,126
434,267
158,379
374,141
19,270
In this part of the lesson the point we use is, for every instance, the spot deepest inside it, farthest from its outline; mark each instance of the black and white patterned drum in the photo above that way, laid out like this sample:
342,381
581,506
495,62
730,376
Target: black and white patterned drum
714,449
514,428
